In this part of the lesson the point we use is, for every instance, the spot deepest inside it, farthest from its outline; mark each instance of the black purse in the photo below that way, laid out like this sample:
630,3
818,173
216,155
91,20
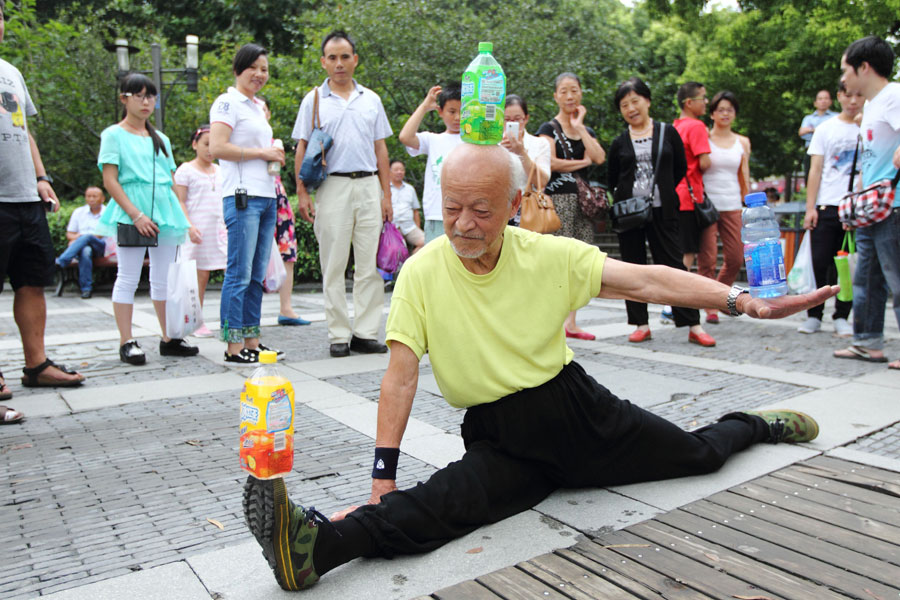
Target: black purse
705,212
127,235
637,211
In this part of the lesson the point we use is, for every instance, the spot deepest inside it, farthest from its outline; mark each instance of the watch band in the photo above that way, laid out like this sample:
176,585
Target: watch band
46,178
731,301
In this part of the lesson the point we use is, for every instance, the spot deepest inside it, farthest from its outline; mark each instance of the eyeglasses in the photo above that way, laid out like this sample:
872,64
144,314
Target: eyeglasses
724,110
704,98
141,97
515,119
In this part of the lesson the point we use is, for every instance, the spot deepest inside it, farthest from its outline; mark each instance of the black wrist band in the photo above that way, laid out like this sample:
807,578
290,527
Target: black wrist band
386,463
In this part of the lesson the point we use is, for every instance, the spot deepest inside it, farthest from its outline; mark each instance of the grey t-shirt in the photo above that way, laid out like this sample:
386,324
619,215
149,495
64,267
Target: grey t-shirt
643,172
17,176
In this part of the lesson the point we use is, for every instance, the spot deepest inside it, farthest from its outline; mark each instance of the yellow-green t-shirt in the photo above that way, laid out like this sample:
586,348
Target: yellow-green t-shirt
490,335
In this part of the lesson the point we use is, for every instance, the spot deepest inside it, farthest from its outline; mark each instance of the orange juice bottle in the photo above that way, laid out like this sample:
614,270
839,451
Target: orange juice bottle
267,421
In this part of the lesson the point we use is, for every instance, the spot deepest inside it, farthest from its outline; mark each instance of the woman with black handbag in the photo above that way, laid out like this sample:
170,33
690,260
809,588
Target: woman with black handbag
645,175
725,184
145,215
573,148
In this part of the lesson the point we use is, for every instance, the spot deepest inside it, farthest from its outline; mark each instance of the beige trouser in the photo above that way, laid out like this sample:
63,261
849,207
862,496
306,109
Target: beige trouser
349,210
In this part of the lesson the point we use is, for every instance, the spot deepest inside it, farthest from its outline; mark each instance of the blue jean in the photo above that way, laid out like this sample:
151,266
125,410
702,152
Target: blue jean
251,232
84,248
877,274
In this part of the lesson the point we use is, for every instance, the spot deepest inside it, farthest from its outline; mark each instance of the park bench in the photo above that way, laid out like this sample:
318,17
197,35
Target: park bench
104,269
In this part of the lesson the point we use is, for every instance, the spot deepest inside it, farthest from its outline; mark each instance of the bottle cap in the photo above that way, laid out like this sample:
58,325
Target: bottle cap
485,46
755,199
268,357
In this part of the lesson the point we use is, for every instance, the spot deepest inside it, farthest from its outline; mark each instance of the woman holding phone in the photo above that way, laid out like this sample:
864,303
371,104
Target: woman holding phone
137,165
241,139
573,148
531,149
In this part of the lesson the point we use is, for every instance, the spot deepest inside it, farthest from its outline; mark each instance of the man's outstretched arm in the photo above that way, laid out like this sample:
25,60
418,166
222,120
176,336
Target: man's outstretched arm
664,285
398,387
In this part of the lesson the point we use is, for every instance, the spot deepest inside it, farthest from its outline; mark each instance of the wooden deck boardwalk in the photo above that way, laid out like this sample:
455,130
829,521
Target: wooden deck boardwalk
817,530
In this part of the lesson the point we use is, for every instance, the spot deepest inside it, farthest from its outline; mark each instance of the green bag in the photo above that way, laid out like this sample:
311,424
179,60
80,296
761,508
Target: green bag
845,262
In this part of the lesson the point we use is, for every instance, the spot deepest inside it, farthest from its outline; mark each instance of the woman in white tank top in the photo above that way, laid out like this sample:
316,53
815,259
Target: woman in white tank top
726,183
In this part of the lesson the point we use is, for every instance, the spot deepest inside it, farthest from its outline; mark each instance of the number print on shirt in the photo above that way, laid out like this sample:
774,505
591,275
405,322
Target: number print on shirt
223,107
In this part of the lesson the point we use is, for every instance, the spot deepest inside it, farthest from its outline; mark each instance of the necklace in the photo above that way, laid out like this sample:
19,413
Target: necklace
642,132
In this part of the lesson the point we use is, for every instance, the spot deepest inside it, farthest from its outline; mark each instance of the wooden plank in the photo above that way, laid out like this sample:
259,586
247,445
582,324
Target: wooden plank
761,575
467,590
826,498
638,589
798,475
572,580
777,514
870,569
771,554
698,575
839,465
861,481
799,504
511,582
606,555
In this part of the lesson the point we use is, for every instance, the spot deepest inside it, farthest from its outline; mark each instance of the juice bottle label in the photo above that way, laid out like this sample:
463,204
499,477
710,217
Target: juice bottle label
267,427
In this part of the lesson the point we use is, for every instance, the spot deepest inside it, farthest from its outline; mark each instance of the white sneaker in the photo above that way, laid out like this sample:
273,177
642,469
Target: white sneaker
811,325
666,316
842,328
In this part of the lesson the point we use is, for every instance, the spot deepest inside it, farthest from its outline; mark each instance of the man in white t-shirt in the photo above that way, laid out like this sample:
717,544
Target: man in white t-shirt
832,151
406,207
436,146
83,244
867,64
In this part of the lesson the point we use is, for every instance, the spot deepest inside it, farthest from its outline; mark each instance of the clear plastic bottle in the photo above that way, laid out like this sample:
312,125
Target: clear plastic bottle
267,421
274,167
762,249
483,94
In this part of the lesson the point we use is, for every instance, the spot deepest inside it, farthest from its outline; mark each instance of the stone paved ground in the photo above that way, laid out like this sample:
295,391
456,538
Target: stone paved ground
100,493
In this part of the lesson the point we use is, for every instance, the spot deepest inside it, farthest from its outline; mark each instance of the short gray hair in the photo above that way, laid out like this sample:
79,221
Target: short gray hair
517,178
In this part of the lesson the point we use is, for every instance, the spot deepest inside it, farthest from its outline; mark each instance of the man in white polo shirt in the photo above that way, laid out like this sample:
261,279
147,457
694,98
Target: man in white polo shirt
352,203
83,244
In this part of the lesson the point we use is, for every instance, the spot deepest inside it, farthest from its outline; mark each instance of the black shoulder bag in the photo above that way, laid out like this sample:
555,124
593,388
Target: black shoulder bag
637,211
128,235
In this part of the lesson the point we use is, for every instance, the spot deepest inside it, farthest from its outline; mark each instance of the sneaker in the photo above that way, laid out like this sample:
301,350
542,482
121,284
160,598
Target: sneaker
177,347
287,532
842,328
131,353
666,316
203,332
789,426
811,325
263,348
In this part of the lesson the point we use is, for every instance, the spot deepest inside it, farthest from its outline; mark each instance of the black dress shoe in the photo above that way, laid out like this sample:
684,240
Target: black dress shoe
339,350
364,346
245,357
263,348
177,347
86,295
131,353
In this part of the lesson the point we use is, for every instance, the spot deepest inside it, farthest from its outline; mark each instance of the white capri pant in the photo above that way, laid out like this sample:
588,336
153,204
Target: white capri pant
131,261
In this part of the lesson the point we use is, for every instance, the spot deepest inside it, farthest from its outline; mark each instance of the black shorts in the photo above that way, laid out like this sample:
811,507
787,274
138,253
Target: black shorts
689,231
26,249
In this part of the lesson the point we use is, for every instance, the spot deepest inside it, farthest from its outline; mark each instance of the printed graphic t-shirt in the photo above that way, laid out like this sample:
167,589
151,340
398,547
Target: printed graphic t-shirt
16,167
880,131
835,141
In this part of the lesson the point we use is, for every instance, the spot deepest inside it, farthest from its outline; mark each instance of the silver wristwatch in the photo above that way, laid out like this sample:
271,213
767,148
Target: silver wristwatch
731,301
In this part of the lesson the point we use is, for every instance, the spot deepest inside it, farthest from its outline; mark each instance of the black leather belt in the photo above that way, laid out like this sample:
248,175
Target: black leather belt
356,174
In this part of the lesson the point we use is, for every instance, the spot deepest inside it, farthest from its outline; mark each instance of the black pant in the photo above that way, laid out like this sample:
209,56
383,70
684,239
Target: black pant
665,248
826,240
568,432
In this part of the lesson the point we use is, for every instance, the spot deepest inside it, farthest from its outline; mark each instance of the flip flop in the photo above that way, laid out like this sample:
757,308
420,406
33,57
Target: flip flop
9,416
894,365
858,353
4,395
31,376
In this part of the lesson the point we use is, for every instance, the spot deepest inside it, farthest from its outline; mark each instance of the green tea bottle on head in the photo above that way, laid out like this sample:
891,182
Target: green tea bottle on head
483,94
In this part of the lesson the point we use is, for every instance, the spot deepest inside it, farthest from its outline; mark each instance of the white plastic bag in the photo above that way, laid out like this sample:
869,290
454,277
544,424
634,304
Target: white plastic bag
275,272
183,311
801,279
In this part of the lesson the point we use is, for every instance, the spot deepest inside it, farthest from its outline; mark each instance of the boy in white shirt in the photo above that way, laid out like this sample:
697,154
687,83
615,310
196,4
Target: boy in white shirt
831,151
446,101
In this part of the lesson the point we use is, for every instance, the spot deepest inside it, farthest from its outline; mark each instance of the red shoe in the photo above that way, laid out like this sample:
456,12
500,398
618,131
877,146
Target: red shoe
582,335
639,335
704,339
712,318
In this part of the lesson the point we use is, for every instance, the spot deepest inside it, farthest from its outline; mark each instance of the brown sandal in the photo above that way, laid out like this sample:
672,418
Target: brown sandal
30,378
6,419
5,392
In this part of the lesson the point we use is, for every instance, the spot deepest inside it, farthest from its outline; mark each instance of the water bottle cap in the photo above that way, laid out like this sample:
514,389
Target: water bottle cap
755,199
268,357
485,46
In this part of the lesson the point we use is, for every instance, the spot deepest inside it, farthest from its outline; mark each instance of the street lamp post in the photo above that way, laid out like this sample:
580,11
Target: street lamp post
187,76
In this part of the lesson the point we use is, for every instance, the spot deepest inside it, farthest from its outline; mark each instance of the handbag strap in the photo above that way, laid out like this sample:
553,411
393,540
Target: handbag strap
316,122
659,152
153,190
534,178
853,168
849,244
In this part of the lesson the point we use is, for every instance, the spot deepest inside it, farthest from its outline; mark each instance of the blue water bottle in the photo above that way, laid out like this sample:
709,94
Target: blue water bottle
762,249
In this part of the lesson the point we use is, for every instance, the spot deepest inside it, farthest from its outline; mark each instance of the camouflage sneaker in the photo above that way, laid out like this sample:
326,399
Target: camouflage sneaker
789,426
287,532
